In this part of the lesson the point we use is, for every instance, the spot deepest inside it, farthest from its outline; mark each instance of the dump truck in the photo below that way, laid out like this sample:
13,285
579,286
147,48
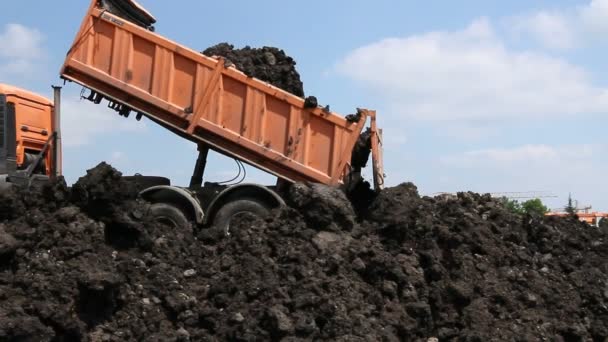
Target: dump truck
30,137
117,55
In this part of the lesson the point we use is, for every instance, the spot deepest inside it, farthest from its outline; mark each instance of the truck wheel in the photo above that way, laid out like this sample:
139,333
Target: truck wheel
169,215
230,210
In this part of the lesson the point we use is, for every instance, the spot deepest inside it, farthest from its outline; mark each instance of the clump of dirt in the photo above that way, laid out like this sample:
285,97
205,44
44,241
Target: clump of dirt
455,268
322,207
604,223
268,64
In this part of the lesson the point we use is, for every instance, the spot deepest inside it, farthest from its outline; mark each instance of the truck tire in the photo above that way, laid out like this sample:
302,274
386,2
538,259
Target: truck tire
169,215
234,208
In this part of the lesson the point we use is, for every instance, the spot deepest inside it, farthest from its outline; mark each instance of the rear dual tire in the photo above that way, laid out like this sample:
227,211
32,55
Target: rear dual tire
172,216
169,215
225,217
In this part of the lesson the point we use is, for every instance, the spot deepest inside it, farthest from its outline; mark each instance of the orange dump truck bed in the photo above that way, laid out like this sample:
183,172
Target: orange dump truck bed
203,100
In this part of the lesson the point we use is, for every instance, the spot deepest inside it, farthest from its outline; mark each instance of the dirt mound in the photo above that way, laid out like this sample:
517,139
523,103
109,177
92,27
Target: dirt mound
84,264
268,64
490,274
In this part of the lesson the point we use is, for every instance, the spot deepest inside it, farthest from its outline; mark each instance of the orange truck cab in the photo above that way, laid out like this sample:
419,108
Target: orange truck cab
29,147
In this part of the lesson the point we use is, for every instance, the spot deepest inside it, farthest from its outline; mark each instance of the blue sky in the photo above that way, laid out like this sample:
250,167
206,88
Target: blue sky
489,96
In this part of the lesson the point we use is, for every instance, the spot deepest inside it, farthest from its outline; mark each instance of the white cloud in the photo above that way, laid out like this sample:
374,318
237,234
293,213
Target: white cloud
471,76
553,29
467,131
23,47
84,122
20,42
594,16
526,154
567,27
16,67
560,170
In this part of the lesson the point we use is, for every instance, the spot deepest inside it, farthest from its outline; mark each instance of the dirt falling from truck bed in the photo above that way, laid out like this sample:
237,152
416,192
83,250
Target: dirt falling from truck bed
83,264
268,64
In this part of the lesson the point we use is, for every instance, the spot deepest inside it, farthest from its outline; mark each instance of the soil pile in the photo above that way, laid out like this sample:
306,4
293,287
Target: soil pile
268,64
84,264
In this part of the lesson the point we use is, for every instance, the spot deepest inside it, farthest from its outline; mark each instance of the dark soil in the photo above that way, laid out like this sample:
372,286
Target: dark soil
83,264
268,64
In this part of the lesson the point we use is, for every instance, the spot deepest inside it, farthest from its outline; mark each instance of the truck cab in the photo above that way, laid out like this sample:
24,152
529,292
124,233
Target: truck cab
27,136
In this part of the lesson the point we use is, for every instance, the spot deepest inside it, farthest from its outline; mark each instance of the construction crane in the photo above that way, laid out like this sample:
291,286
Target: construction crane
524,194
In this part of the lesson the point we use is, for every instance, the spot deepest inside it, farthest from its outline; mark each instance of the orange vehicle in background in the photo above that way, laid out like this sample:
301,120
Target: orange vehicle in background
118,57
30,147
591,218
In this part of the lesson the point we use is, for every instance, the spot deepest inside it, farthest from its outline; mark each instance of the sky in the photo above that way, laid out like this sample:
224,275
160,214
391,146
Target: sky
473,95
